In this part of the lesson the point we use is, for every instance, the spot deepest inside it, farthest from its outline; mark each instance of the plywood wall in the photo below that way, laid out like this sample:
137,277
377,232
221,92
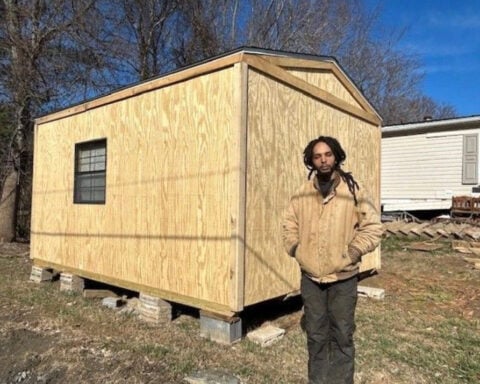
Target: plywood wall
326,80
172,162
281,121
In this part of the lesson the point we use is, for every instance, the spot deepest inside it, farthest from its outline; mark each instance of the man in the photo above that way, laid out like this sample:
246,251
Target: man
329,225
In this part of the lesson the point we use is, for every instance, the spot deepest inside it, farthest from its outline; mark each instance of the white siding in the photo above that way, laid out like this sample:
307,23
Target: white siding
422,171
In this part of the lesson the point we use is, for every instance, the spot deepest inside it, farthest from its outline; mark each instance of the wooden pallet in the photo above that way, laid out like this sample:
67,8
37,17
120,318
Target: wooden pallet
465,206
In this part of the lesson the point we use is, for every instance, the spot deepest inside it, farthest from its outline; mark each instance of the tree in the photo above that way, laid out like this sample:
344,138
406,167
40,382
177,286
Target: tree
44,63
209,27
344,29
5,138
59,52
136,37
7,185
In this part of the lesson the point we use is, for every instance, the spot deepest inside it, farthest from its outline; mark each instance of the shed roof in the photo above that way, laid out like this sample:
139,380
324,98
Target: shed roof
267,61
453,124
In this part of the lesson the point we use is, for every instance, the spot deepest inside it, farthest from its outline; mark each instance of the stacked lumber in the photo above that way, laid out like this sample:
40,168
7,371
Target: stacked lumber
72,283
40,275
471,248
464,236
153,309
433,230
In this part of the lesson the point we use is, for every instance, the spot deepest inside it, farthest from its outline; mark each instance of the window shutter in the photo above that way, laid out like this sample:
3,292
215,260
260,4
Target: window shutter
470,159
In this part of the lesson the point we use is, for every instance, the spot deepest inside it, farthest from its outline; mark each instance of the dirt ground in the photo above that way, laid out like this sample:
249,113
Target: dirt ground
426,330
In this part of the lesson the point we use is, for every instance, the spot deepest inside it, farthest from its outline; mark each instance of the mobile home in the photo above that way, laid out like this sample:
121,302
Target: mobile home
425,164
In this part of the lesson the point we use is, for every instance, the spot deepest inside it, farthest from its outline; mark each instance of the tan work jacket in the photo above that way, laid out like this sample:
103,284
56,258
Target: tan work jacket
323,233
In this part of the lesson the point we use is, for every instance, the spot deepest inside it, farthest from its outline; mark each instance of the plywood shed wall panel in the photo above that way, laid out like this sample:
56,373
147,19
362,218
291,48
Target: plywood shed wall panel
281,121
166,221
325,75
325,79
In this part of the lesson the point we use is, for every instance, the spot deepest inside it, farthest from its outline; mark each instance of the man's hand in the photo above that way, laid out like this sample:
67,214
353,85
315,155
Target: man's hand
354,254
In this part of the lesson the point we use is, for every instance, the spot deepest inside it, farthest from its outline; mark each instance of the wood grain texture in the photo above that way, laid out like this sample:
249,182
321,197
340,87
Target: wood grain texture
303,86
323,67
238,197
281,121
147,86
166,222
326,79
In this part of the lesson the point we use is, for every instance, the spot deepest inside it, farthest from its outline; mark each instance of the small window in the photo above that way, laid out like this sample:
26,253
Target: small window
90,172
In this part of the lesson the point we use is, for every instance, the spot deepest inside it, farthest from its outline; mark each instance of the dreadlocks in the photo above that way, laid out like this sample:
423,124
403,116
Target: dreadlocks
340,157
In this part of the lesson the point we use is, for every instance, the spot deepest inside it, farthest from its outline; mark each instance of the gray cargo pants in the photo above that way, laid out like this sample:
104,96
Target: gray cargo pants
329,322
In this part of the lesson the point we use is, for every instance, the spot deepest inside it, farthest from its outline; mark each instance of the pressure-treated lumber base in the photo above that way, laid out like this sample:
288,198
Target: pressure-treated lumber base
154,309
220,330
71,283
40,275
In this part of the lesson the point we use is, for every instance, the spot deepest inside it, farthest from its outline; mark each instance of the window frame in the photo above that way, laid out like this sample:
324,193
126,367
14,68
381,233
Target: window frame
83,146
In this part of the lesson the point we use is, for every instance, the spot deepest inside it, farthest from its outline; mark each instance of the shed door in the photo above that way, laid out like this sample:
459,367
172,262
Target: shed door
470,159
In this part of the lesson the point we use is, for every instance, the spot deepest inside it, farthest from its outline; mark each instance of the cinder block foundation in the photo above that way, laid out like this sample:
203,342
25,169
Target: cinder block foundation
71,283
154,309
266,335
40,275
220,330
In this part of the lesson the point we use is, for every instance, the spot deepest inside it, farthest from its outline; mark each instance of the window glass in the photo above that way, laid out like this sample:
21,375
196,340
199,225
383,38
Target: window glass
90,172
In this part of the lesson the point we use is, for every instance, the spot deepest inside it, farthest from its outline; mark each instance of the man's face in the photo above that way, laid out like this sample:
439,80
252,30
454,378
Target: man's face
323,158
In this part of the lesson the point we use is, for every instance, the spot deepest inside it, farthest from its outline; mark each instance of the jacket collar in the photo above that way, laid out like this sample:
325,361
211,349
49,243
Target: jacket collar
336,178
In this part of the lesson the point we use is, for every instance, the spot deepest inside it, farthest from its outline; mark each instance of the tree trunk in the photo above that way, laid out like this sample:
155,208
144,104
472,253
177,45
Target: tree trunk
7,207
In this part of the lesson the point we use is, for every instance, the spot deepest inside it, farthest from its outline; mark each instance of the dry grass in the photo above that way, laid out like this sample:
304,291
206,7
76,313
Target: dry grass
426,330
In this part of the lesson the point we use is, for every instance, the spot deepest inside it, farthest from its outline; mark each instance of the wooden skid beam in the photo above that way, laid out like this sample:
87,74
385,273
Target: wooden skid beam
216,308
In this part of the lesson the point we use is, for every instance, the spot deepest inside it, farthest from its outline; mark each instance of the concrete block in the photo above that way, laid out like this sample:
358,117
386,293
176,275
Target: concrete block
223,331
112,302
40,275
266,335
72,283
374,293
154,309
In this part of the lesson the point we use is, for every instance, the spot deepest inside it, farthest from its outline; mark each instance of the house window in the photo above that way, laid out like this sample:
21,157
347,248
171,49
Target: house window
90,172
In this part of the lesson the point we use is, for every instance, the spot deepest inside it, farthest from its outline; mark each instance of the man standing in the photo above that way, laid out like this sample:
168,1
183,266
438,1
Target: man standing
329,225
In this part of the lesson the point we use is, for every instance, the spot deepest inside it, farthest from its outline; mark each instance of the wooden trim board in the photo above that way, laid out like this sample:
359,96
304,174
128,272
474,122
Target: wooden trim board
239,176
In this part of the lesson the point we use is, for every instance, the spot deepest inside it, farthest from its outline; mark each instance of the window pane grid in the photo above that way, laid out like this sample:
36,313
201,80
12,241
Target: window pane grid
93,163
90,173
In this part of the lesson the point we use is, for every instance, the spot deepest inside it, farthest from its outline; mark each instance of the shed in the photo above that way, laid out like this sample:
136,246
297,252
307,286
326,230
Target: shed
176,186
426,164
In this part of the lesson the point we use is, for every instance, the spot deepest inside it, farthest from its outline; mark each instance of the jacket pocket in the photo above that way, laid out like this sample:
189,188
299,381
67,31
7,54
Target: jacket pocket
304,261
344,260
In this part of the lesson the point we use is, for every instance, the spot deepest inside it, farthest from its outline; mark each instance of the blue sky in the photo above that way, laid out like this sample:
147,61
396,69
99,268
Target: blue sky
446,37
